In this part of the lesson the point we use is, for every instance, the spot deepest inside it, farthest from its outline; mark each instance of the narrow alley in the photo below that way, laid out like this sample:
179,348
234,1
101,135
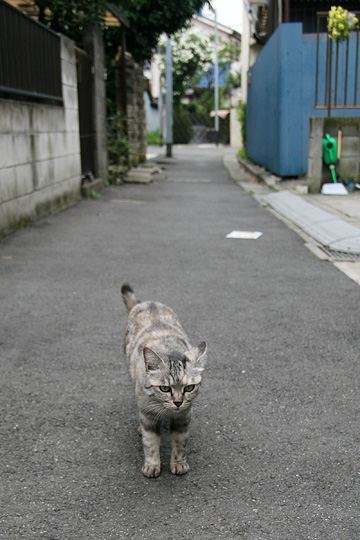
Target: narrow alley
274,444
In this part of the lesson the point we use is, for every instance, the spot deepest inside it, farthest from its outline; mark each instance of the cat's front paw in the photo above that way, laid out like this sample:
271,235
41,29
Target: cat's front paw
179,468
150,470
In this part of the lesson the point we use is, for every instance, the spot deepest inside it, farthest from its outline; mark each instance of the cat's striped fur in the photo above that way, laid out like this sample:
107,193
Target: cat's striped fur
167,373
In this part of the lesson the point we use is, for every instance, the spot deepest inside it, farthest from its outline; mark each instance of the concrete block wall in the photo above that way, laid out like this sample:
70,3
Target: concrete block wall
348,166
314,172
349,163
40,168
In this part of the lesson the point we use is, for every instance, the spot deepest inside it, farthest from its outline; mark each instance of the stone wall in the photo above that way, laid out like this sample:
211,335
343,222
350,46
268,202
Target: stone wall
348,167
135,111
40,169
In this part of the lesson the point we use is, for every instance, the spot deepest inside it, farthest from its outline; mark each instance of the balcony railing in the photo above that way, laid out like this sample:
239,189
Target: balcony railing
337,69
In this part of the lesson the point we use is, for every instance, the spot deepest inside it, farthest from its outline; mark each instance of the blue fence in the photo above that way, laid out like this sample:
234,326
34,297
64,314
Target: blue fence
281,100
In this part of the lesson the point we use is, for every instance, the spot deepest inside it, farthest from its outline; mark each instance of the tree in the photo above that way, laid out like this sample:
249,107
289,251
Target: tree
71,17
148,19
192,57
229,52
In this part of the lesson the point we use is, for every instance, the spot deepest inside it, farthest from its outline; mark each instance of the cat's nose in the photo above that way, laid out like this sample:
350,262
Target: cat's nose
177,403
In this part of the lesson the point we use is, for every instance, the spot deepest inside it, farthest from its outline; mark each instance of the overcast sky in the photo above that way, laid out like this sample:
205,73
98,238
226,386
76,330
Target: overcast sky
229,12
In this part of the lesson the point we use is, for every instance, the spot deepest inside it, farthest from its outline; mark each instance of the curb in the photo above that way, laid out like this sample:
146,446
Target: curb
94,185
323,228
260,173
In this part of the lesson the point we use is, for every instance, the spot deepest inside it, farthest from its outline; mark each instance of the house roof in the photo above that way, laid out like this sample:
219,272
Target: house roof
221,27
114,16
116,13
26,6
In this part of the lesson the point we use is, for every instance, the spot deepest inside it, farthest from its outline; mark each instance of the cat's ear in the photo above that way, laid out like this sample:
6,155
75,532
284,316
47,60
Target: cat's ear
198,356
153,362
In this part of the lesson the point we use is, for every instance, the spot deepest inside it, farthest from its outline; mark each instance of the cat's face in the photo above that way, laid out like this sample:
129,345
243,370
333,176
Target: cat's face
173,379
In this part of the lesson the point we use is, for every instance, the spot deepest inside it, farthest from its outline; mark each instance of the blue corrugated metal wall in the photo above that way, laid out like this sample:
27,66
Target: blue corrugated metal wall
281,99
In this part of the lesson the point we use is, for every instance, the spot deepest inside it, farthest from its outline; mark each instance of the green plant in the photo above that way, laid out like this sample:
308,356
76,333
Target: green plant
229,52
341,23
242,153
118,144
116,174
192,56
241,112
182,129
233,80
149,20
198,115
72,19
154,138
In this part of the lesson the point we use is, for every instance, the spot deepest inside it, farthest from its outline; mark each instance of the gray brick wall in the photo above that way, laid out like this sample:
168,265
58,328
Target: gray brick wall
40,169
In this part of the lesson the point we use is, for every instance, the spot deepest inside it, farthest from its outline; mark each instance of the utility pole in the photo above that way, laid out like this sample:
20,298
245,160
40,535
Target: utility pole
216,81
169,98
160,109
160,98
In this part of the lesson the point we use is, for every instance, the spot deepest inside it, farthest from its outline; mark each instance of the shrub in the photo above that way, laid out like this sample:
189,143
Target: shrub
118,144
154,138
182,129
241,110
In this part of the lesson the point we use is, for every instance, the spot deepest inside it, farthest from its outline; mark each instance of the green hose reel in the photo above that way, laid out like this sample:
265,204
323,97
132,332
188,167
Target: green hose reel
330,154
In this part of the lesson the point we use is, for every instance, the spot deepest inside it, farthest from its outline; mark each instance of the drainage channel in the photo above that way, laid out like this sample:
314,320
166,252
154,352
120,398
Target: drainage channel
340,256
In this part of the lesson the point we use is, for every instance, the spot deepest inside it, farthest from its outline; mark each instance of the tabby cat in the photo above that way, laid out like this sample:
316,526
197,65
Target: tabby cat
167,372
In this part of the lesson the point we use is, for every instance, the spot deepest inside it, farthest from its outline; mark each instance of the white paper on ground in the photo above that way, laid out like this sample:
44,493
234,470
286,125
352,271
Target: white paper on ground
244,235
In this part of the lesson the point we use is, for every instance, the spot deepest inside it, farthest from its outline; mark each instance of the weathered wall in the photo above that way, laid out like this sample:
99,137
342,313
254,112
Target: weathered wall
40,152
135,109
348,167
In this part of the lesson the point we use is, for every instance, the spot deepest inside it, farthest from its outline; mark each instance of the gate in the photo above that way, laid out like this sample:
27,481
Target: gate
85,84
29,58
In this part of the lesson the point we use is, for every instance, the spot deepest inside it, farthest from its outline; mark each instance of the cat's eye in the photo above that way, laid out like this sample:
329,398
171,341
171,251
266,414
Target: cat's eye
165,388
189,388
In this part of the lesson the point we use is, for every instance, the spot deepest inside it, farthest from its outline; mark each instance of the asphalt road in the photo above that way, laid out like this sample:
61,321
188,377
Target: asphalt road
274,452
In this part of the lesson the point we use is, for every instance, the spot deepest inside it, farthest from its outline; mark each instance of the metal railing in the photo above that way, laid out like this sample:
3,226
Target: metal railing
30,64
337,69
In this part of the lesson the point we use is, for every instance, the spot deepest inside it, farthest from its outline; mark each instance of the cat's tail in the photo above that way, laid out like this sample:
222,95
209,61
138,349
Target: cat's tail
129,297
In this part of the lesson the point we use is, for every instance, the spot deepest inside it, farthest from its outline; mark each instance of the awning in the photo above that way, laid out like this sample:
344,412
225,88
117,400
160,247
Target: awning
222,113
114,16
